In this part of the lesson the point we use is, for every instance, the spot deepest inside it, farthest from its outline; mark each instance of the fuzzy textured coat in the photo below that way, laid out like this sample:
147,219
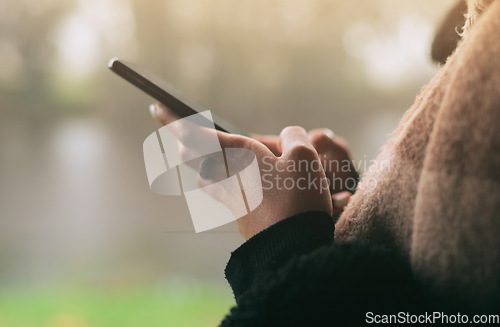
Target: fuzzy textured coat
433,193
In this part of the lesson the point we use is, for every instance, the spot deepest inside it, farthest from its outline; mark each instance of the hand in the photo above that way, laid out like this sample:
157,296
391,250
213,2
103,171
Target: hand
335,159
334,155
296,165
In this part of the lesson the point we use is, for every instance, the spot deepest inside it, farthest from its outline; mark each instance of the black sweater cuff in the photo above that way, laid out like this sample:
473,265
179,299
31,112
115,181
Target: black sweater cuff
270,249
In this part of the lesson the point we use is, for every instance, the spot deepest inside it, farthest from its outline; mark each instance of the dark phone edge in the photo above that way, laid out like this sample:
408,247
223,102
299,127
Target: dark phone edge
166,97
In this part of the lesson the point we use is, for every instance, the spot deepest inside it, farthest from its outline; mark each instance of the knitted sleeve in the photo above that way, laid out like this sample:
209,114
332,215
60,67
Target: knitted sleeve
293,274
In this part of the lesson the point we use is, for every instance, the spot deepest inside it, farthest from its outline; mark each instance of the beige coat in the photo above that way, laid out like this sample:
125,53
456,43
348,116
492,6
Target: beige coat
434,191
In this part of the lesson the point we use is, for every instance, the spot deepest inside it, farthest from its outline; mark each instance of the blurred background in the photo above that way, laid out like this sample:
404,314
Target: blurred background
83,241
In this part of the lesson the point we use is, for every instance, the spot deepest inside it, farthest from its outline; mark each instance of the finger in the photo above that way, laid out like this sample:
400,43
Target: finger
194,159
241,151
271,141
217,191
326,131
321,139
340,201
188,132
293,140
239,141
163,114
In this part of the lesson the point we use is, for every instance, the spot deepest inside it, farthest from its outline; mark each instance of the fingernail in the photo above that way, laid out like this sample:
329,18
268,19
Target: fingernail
152,111
328,132
340,200
206,168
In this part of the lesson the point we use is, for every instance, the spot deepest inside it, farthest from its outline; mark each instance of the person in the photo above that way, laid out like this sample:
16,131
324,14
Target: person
401,248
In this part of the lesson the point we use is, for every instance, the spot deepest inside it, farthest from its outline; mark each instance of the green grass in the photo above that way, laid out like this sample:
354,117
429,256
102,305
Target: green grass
80,307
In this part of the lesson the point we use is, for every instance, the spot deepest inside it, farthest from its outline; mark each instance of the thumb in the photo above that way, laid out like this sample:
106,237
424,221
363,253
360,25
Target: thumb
294,140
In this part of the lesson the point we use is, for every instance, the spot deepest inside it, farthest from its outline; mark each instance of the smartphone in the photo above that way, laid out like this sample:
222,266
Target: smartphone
165,93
